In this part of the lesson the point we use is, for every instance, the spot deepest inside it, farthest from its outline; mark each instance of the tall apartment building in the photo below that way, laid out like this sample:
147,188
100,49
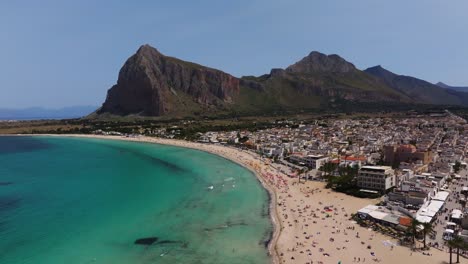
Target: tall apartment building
378,178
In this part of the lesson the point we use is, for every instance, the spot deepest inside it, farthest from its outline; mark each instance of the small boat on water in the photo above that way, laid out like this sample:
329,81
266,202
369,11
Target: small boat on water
211,187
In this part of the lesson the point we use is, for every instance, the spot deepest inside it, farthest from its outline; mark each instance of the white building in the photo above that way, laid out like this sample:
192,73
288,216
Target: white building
315,161
271,151
311,161
379,178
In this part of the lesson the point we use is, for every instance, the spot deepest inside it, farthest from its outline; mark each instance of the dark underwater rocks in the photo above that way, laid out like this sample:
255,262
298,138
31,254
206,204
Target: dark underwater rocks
147,241
8,203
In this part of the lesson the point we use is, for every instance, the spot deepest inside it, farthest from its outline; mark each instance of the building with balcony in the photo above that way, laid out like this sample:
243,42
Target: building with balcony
378,178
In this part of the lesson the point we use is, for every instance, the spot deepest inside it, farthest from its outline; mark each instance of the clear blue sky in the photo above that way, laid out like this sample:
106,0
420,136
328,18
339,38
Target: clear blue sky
62,53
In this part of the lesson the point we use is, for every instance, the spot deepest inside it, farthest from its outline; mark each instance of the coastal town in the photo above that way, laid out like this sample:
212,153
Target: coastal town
385,188
234,132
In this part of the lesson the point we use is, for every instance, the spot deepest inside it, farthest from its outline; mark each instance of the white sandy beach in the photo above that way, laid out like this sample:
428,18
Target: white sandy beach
304,231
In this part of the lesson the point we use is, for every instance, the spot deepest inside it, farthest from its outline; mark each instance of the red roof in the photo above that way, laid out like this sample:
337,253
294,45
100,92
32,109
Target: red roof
405,221
350,158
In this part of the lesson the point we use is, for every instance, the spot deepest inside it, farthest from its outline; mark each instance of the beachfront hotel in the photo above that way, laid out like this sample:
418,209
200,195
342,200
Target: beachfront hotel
376,178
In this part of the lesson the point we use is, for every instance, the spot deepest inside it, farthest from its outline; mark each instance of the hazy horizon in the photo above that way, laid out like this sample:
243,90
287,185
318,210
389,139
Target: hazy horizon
34,113
56,54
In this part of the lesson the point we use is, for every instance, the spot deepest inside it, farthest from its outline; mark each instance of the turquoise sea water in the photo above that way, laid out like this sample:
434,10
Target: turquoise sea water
74,200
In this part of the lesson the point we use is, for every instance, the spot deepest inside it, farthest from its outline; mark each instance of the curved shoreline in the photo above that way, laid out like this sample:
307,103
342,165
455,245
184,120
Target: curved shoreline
273,212
302,230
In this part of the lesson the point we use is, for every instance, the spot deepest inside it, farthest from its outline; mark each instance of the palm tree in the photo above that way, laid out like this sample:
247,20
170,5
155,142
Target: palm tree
305,170
414,229
464,245
300,172
427,229
458,243
450,251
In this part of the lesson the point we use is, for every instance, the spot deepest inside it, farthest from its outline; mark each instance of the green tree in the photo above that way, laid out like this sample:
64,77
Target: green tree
300,173
414,229
328,168
457,166
458,243
450,252
427,229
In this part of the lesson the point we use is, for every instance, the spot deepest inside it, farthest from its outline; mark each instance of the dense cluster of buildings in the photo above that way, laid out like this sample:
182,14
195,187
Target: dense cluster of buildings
418,147
410,159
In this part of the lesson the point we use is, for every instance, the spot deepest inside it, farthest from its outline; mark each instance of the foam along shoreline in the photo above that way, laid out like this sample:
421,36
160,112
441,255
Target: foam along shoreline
303,231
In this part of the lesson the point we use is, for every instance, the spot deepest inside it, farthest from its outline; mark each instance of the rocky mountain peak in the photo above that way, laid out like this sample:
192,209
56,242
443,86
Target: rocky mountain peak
380,72
377,68
152,84
443,85
148,51
456,88
146,48
319,62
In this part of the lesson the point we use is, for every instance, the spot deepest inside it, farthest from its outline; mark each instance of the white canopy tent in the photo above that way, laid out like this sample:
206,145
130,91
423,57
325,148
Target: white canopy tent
456,214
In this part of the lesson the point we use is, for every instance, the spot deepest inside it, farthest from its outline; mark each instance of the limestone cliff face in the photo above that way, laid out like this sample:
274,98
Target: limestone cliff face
152,84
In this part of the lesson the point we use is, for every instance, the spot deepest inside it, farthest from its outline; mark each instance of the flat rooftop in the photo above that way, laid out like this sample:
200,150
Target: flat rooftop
376,168
315,156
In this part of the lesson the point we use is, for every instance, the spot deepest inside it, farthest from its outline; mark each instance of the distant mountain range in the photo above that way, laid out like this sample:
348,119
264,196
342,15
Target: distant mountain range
35,113
456,88
419,91
152,84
